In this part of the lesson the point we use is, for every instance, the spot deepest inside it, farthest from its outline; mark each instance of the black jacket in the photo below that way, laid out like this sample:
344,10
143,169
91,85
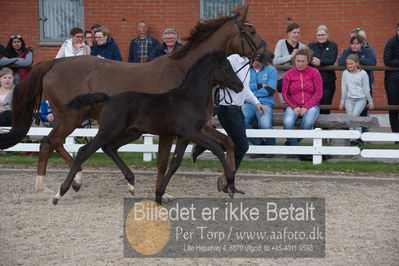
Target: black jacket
391,58
161,50
327,53
5,52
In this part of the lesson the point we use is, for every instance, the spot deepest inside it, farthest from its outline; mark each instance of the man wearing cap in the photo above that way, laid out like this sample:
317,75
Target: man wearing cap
142,46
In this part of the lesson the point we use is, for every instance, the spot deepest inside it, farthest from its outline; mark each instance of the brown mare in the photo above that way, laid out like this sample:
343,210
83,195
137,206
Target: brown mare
180,112
60,80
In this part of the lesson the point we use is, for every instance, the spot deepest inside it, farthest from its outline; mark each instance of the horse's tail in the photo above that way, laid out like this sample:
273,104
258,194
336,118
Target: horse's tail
26,97
84,100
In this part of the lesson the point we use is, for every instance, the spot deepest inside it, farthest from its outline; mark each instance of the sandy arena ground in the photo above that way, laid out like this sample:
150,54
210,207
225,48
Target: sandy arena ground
86,228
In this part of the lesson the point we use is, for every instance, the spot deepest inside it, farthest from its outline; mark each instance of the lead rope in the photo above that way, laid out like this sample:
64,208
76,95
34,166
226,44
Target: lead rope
217,95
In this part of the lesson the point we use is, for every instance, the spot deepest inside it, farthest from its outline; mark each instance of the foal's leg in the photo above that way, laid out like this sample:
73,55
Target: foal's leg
111,149
164,146
174,164
83,154
228,145
210,144
197,150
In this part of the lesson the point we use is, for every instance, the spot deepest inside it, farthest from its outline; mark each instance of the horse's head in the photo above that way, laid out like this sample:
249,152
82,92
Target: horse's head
245,41
224,75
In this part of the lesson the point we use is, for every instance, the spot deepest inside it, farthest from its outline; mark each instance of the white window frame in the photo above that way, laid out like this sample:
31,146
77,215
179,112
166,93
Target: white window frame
54,28
218,7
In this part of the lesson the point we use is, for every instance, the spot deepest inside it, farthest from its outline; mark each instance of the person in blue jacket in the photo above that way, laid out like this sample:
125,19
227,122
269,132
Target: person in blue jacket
105,46
46,114
263,83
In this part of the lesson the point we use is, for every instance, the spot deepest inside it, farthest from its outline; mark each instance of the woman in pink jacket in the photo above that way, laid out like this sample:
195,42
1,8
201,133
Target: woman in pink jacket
302,91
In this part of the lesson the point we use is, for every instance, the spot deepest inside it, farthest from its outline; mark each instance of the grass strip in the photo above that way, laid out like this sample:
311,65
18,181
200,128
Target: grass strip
136,159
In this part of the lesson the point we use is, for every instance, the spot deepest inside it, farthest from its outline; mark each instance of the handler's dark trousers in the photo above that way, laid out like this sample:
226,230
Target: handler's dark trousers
392,90
328,95
232,120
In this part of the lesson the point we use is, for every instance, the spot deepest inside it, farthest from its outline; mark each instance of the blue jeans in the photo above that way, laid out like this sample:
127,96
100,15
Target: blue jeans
232,120
264,122
307,122
355,106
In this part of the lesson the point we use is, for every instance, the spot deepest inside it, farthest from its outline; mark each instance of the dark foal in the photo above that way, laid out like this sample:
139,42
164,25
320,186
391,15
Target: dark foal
180,112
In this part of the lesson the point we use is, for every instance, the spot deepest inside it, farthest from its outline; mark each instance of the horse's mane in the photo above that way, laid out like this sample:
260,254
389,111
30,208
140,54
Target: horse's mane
203,30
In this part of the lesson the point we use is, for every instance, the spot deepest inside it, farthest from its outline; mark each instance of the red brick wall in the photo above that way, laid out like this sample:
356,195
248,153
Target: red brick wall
377,17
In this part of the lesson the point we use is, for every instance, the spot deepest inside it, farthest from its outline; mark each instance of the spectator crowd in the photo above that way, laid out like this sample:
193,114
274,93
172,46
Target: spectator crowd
302,88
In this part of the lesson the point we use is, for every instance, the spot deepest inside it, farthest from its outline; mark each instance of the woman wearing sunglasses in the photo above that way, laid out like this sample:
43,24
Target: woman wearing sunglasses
20,57
74,46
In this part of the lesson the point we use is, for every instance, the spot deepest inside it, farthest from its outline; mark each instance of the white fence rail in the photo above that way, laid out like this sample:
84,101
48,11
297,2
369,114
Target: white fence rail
316,149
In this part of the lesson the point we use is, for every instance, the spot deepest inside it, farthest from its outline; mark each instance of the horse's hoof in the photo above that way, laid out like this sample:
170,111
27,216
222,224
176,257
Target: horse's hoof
55,201
221,186
76,186
231,194
56,198
158,200
131,189
77,181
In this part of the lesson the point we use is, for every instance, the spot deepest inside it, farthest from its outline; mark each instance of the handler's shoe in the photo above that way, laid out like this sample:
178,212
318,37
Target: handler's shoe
305,157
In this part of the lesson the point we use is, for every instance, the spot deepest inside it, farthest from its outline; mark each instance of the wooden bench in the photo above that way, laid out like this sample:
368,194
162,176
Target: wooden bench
335,121
331,121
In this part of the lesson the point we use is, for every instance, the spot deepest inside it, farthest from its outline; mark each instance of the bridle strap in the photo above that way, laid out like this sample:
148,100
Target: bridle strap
244,35
217,97
247,63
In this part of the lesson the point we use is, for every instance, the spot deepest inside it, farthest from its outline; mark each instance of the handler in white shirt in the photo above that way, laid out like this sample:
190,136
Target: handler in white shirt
229,105
74,46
